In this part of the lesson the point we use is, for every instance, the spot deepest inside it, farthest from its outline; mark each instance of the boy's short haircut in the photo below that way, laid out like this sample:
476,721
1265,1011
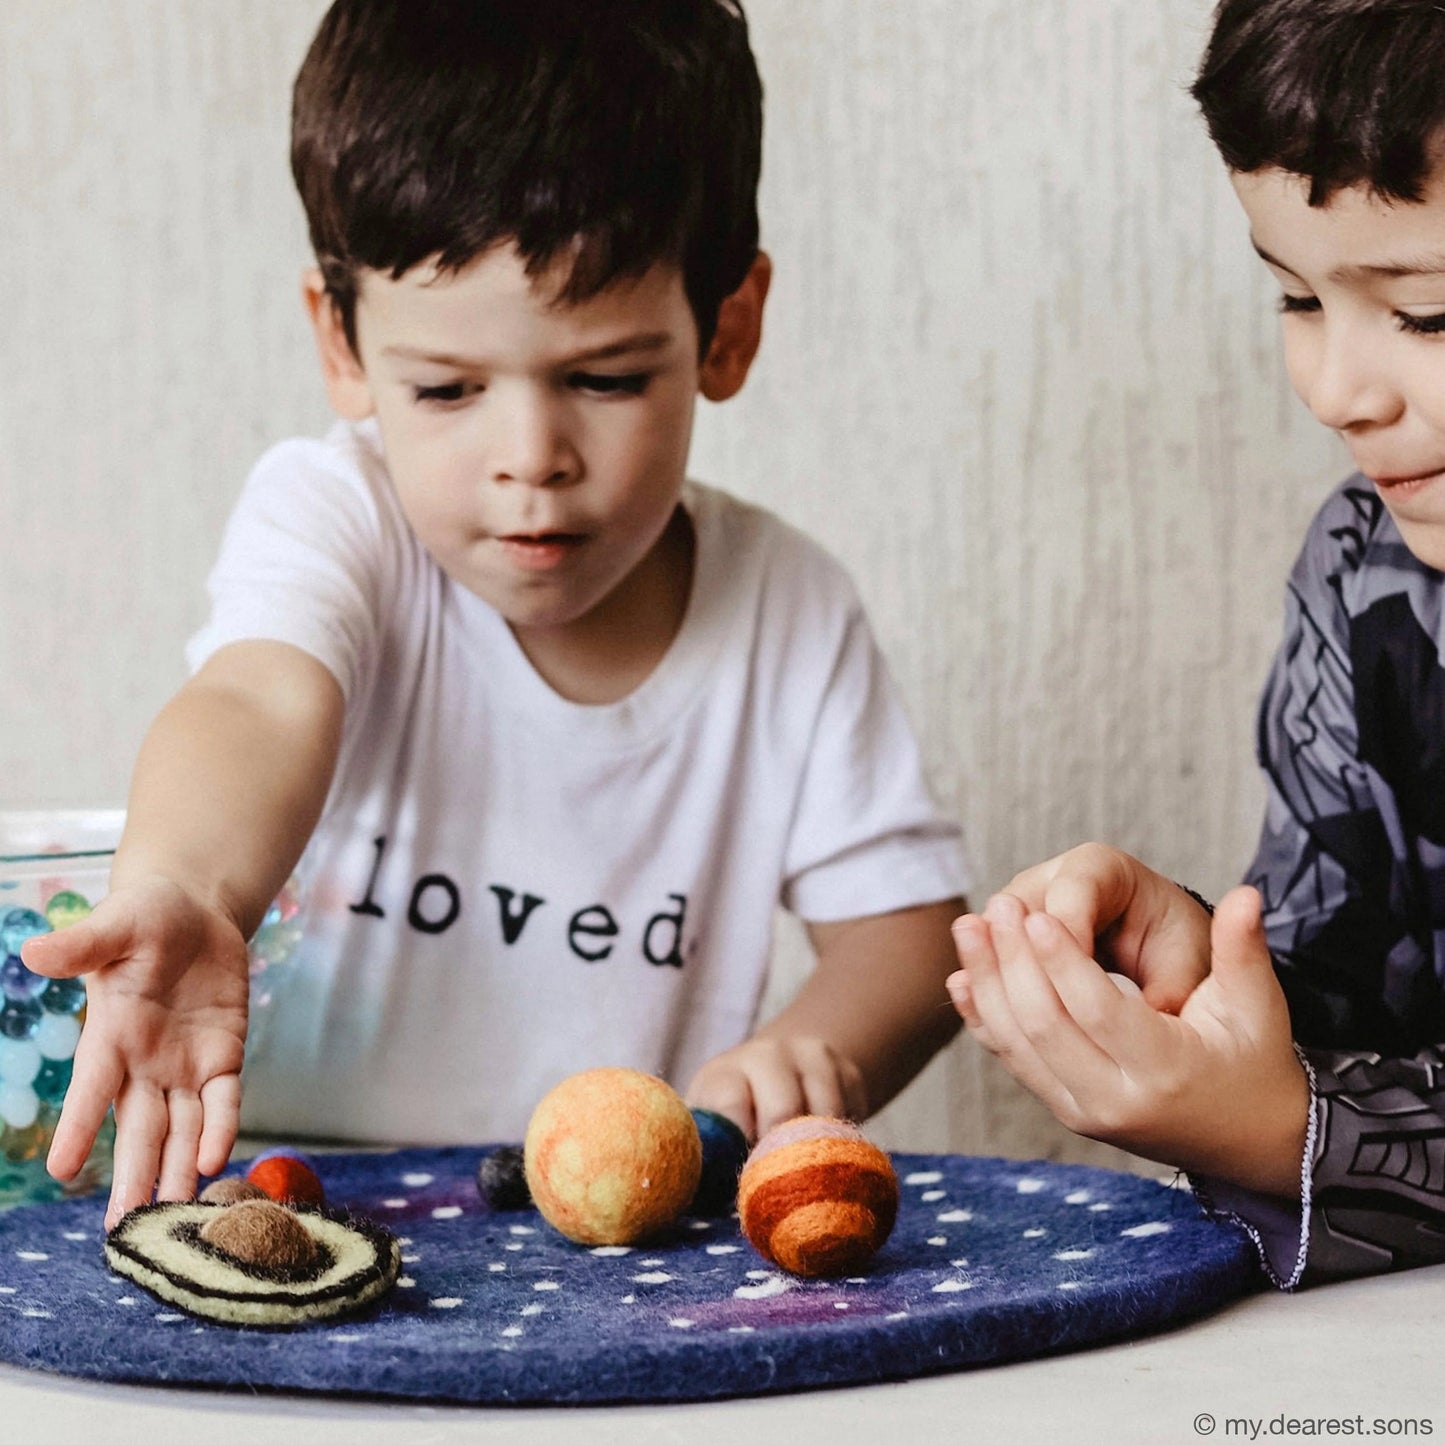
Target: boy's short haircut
1340,92
609,134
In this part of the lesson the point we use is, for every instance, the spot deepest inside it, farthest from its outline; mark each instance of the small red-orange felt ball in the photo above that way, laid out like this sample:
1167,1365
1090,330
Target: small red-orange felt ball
612,1156
287,1180
816,1197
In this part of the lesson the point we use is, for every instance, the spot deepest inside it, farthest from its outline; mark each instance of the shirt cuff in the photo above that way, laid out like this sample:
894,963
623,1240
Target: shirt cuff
1279,1228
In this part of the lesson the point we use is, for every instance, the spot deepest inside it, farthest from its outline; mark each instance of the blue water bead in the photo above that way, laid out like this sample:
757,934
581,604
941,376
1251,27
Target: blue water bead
57,1035
18,924
63,996
19,1105
53,1080
20,1061
16,981
20,1017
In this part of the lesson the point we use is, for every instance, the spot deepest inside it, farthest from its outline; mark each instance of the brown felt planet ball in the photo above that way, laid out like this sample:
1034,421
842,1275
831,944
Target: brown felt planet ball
231,1190
261,1232
612,1156
816,1197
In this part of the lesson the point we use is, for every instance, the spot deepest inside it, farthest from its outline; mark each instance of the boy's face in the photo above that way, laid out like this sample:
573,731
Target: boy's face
537,449
1364,331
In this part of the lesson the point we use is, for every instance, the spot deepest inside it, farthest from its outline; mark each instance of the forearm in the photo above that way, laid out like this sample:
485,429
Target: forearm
231,778
877,994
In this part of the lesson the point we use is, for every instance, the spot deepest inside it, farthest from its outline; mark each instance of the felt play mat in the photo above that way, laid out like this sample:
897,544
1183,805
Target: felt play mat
990,1260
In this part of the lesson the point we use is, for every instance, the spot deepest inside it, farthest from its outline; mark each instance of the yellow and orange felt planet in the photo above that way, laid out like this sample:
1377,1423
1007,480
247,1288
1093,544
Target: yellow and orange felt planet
816,1197
612,1156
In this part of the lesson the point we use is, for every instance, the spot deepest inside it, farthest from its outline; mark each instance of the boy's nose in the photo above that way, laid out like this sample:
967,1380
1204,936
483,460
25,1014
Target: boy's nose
1350,385
530,445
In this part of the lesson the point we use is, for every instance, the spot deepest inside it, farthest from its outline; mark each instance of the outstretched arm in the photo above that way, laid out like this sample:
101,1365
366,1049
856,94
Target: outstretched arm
870,1016
229,783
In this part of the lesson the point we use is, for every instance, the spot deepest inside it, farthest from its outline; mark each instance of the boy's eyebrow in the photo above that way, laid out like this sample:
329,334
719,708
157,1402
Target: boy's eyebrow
1425,265
626,346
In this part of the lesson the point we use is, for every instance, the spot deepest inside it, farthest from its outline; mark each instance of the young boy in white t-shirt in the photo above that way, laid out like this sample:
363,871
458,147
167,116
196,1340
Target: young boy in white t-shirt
555,729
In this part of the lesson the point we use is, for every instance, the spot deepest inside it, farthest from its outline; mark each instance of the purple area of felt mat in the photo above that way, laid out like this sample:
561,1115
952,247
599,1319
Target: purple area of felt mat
991,1260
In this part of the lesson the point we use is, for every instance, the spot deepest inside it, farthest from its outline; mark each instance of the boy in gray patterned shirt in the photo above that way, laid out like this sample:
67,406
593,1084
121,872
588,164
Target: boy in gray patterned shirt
1306,1098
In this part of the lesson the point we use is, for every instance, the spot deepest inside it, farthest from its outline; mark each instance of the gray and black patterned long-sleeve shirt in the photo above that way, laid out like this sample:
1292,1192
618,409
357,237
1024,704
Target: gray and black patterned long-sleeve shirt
1351,865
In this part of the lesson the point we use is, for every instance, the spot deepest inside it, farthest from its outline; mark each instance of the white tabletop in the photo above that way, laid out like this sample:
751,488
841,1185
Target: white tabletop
1366,1352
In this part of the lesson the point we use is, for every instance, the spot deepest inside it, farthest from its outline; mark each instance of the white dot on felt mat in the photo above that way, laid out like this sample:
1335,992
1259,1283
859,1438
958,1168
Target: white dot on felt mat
1079,1196
521,1229
497,1267
628,1299
840,1304
402,1239
38,1314
1069,1284
531,1309
1029,1186
682,1324
446,1303
343,1339
955,1216
699,1224
33,1256
446,1211
125,1299
417,1181
959,1263
406,1282
611,1251
952,1286
1074,1254
166,1319
514,1247
10,1289
656,1276
1035,1233
772,1285
740,1329
547,1284
76,1234
1143,1231
1099,1208
651,1263
897,1315
512,1331
939,1239
760,1274
931,1196
926,1176
722,1249
395,1203
410,1258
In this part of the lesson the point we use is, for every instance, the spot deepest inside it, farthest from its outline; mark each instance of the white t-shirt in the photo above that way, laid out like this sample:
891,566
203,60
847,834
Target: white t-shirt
505,886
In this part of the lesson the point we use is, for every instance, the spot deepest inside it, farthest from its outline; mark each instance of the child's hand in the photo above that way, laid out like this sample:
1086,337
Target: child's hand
767,1081
1217,1089
1125,914
165,1030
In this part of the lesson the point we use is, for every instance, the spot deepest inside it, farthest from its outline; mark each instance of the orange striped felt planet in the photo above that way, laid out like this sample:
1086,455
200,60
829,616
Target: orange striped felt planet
816,1197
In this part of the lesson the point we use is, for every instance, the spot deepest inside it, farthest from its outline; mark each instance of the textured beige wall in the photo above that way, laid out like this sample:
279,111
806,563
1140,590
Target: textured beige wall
1021,374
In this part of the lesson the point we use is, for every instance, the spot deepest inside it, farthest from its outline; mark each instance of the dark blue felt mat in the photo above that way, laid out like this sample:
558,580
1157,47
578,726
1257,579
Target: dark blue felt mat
991,1260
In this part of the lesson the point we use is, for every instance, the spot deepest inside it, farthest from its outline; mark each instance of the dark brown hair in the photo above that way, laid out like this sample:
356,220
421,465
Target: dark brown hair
1341,92
614,134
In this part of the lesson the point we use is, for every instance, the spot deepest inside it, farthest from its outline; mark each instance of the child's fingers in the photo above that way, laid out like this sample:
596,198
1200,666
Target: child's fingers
221,1111
995,1027
80,947
1045,1019
93,1084
178,1170
777,1092
724,1092
141,1122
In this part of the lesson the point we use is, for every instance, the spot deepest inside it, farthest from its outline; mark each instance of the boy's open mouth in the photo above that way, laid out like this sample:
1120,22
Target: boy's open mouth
541,550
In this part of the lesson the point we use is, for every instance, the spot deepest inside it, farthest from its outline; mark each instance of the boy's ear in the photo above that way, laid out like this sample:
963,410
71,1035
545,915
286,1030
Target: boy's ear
345,381
739,332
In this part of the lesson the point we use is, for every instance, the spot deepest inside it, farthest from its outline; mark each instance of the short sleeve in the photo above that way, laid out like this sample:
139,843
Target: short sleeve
867,836
299,562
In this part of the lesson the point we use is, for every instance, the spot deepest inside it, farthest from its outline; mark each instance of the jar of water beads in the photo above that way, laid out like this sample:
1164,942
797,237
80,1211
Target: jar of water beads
54,868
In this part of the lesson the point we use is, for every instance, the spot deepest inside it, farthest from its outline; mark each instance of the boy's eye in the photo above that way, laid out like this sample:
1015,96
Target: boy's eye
451,392
1421,325
631,384
1295,305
